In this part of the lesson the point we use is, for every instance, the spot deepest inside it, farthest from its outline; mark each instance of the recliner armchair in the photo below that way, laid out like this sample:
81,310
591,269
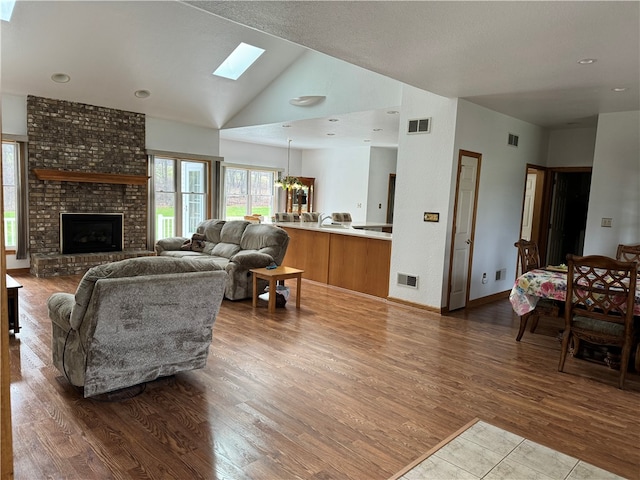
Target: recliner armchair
135,320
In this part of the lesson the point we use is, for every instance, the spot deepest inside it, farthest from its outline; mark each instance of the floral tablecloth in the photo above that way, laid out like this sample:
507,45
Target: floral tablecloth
536,284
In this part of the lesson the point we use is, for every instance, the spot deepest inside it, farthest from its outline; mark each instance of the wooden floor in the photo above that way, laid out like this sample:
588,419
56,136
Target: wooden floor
347,387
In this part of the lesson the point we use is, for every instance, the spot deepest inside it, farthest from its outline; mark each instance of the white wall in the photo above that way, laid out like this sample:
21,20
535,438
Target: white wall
615,184
382,163
572,147
500,194
423,184
342,179
171,136
347,89
14,114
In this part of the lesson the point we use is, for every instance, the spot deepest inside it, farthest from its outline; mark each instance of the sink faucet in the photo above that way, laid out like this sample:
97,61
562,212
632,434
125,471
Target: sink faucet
322,217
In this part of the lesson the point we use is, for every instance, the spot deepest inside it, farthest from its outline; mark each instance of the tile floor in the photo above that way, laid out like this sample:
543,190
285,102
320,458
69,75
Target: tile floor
484,451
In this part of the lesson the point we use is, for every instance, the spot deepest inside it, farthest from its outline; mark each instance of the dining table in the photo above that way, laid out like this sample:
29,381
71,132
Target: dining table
549,283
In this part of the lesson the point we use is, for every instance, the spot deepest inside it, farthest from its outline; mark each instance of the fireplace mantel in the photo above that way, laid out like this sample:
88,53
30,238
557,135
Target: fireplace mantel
68,176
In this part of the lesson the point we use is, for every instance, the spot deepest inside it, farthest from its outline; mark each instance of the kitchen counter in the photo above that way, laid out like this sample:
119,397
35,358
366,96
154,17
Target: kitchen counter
356,229
346,257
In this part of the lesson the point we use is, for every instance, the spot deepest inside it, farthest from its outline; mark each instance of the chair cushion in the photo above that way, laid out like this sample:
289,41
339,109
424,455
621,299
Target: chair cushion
547,305
232,231
211,229
598,326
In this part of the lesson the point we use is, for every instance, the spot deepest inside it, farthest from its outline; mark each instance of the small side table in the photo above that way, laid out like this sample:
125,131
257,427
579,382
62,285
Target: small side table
12,301
273,275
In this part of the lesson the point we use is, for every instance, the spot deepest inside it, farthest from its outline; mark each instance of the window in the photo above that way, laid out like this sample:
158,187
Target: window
248,192
10,169
180,195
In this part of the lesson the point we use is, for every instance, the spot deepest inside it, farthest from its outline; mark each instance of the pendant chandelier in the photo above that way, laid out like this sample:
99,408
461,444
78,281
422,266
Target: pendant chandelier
288,182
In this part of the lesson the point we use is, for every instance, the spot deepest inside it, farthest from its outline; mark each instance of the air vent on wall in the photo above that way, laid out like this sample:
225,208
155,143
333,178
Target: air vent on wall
407,280
419,125
513,140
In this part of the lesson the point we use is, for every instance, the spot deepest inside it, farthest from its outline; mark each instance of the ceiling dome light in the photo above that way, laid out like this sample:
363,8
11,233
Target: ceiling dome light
142,93
619,89
60,77
307,100
587,61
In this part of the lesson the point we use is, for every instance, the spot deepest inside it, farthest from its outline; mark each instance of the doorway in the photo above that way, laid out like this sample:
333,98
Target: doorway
569,203
555,211
391,196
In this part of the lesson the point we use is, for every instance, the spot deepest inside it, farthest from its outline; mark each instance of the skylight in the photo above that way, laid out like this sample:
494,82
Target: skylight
239,61
6,9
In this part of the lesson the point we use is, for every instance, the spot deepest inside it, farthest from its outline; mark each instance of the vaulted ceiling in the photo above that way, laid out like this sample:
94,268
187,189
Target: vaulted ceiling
519,58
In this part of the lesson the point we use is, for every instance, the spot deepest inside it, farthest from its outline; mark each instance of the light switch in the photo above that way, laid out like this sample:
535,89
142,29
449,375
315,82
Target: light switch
606,222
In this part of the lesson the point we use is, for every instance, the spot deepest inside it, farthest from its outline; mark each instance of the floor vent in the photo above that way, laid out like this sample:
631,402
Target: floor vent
420,125
408,280
513,140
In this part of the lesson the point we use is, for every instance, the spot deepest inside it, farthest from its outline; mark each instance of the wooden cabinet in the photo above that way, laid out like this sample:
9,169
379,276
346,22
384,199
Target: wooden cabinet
309,251
357,263
301,200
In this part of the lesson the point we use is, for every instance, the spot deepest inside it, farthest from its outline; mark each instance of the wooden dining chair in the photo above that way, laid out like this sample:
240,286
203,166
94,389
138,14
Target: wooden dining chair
628,253
529,257
599,306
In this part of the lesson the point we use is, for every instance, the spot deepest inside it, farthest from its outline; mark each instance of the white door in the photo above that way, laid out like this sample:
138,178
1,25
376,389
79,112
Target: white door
461,253
527,213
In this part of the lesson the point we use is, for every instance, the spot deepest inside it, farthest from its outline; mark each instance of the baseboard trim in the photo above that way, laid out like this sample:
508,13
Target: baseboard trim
18,271
488,299
415,305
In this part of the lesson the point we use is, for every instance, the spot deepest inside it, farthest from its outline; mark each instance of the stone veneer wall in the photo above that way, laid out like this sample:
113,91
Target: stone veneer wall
71,136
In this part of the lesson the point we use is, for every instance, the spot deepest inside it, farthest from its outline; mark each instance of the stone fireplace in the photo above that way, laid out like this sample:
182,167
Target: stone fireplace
84,159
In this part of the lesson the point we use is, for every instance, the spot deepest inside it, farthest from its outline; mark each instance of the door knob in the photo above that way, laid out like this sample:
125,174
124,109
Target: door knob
468,241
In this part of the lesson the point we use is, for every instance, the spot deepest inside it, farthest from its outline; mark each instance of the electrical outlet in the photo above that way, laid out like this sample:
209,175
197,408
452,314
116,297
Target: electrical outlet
606,222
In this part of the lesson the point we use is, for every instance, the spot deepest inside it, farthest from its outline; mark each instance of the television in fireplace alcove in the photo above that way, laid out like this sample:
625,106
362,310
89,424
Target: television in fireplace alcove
91,232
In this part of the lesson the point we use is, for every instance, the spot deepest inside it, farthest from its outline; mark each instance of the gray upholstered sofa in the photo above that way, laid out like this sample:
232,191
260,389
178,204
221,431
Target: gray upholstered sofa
135,320
236,245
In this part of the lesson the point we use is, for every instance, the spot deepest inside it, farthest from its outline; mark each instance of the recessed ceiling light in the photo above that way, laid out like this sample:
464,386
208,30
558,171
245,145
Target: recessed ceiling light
60,77
619,89
393,112
286,125
306,100
238,61
142,93
333,120
377,129
587,61
331,134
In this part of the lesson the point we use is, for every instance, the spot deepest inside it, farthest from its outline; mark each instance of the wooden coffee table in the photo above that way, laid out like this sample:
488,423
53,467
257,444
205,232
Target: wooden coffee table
273,275
12,300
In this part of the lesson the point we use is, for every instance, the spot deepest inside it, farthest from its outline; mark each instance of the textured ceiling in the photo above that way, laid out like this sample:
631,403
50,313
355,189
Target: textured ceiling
518,58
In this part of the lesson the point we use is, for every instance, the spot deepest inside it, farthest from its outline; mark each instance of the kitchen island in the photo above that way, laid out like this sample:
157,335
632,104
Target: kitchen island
356,259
